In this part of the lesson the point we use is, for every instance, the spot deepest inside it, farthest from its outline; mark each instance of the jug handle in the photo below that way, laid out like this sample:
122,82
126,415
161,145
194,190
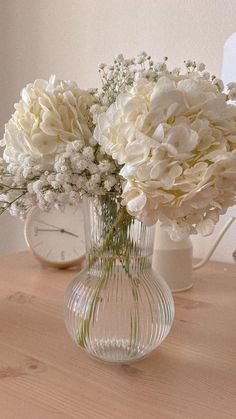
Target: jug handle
215,244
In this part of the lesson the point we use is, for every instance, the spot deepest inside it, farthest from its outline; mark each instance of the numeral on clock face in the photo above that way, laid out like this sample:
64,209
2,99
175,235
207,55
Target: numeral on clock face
62,255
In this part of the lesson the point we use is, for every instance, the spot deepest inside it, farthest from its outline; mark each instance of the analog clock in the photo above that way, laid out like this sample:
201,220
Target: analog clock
56,237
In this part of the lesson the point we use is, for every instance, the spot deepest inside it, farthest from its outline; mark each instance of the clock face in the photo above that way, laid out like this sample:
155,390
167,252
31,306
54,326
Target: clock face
56,237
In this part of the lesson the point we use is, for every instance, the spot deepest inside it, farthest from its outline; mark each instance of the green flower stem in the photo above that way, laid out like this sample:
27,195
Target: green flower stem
120,225
3,185
2,210
83,333
122,216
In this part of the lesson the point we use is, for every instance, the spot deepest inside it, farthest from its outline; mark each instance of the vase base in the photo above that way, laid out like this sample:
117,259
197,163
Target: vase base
175,291
117,351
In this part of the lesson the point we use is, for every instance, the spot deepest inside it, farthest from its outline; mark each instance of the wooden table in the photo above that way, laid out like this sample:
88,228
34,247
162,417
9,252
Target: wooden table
43,375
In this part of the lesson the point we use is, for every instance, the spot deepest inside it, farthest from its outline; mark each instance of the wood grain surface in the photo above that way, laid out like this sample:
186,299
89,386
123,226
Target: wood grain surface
43,375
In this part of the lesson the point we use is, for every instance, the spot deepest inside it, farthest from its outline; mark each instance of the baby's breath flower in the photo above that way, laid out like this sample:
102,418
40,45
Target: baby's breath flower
104,166
160,67
189,63
119,58
79,164
219,84
139,59
231,85
50,196
206,75
201,67
109,183
88,153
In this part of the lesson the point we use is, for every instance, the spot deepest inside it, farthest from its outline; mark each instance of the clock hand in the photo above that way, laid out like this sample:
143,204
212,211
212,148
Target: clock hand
62,230
68,232
47,224
48,229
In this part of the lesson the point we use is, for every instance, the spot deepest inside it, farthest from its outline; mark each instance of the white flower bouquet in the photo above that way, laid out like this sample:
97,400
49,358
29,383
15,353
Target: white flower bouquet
163,140
151,144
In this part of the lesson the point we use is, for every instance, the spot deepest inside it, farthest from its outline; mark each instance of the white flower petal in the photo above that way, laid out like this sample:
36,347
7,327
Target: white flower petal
46,144
137,201
206,227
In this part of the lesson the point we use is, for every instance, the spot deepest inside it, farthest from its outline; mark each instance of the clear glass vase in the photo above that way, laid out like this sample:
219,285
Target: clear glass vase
117,309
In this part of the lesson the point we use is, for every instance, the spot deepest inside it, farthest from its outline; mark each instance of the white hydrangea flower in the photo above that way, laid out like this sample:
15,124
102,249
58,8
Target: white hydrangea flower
176,141
49,115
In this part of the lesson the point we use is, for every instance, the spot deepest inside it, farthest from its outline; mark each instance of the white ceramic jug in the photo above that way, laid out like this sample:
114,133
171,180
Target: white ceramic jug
174,260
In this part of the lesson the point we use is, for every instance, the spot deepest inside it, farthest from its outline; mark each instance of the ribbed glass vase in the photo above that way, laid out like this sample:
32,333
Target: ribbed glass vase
117,309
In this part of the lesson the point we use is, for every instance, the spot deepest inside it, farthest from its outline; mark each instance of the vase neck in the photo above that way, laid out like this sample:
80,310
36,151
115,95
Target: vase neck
114,237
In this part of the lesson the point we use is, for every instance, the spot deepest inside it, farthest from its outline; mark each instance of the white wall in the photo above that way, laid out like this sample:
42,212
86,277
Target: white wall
70,38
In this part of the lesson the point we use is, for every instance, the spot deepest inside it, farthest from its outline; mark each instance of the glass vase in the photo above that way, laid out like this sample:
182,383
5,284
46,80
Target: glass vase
117,309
